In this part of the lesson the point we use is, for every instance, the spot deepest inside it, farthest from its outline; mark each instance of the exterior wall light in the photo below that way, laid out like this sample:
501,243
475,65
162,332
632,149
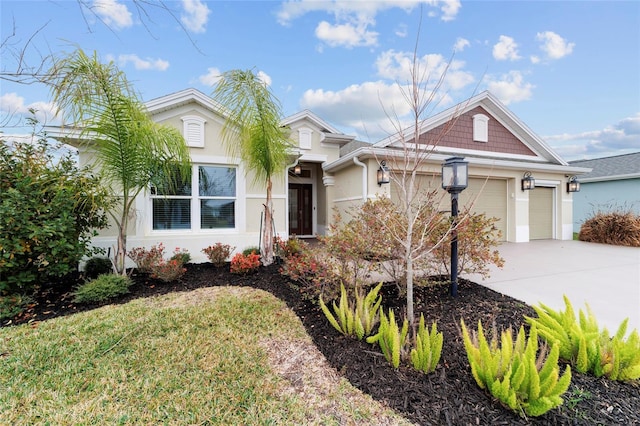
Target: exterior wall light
455,178
383,174
528,182
297,170
573,185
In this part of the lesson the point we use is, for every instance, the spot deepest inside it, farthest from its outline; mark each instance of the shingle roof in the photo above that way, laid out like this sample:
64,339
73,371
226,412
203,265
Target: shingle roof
626,165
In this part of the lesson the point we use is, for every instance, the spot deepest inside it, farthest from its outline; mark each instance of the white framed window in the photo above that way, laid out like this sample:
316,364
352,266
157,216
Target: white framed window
193,130
480,128
205,201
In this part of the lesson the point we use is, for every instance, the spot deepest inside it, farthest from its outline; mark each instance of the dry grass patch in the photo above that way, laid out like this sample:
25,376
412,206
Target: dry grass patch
309,378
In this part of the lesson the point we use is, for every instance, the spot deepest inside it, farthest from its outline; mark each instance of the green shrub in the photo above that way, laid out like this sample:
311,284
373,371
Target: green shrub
97,265
427,349
587,347
103,288
182,256
391,338
251,250
12,305
355,319
49,211
514,372
218,253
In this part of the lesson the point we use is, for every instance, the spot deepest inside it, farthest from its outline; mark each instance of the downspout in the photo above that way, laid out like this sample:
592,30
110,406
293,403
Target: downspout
364,178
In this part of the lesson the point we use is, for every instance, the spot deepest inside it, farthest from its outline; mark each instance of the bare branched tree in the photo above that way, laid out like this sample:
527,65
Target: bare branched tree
417,202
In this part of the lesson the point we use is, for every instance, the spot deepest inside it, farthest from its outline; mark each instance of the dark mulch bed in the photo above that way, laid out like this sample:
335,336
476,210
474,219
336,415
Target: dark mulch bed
449,396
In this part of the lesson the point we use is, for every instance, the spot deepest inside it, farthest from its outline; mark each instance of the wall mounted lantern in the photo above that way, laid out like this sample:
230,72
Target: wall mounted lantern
383,174
297,170
573,185
455,178
528,182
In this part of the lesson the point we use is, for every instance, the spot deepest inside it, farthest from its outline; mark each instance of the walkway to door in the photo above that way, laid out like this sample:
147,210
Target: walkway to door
604,276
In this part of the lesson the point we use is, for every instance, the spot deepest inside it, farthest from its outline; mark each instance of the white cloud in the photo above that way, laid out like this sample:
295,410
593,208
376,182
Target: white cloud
401,30
510,87
460,44
211,77
143,64
359,107
12,106
112,13
619,138
195,15
347,35
535,59
553,45
353,19
506,49
264,77
397,66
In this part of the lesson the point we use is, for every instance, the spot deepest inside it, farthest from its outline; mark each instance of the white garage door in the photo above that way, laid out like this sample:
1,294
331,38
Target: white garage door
541,213
489,197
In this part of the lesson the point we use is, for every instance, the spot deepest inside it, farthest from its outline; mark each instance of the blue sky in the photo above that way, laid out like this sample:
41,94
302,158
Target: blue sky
569,70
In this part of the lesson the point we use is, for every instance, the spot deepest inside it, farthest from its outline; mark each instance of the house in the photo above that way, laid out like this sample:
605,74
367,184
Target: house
332,171
612,185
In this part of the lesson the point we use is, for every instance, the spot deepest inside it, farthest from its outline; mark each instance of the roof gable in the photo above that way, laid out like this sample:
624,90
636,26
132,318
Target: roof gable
508,136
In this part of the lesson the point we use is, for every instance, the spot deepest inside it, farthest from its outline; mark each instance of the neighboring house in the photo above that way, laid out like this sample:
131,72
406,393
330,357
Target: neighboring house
330,171
612,185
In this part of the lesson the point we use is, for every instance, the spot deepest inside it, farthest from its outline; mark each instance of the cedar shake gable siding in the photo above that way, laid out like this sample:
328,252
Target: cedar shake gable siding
461,136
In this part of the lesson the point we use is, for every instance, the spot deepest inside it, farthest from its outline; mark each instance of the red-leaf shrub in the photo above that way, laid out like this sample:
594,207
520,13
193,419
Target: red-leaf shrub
218,253
244,264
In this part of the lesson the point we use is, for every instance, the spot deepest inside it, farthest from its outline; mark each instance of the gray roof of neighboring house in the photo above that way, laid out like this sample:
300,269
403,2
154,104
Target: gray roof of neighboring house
624,166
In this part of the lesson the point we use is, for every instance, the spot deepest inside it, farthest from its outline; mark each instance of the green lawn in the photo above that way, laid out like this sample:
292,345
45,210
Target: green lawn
213,356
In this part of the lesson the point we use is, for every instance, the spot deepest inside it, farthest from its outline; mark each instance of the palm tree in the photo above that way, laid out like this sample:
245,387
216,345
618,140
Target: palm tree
253,133
131,150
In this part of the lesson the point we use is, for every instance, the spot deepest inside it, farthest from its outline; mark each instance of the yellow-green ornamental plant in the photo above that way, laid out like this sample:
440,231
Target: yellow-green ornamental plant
357,319
427,350
514,372
587,347
391,338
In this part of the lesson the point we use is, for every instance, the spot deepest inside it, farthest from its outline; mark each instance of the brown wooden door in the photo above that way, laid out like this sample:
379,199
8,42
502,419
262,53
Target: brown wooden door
300,209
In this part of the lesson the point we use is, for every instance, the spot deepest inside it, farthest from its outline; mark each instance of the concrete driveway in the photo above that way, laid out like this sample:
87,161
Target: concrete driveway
603,276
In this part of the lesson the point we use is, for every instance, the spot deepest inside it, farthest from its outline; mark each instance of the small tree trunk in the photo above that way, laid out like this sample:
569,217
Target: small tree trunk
266,250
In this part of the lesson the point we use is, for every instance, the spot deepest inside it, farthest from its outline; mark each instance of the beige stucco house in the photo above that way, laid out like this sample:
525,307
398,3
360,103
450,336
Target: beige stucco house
330,170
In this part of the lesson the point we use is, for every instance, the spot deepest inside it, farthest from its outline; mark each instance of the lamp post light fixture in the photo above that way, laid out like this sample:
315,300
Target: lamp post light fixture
455,178
383,174
573,185
528,182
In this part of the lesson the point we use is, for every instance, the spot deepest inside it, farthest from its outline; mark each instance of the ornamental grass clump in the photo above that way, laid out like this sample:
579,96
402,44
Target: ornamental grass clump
391,338
427,349
587,347
105,287
517,374
354,317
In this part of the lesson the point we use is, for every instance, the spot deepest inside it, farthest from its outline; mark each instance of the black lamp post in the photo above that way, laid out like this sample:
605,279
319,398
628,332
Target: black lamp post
455,178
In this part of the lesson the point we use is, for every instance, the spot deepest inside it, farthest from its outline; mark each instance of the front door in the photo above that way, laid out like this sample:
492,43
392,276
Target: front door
300,209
